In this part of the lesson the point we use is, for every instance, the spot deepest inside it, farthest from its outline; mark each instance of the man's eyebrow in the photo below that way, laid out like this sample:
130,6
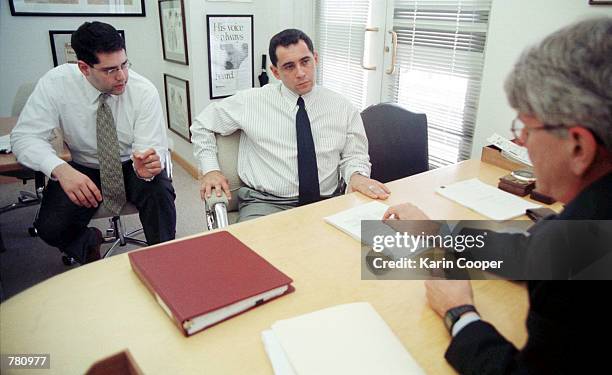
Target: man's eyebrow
288,64
113,67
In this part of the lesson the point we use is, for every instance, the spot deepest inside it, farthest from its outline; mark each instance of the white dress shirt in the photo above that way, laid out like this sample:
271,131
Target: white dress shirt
267,159
63,98
463,321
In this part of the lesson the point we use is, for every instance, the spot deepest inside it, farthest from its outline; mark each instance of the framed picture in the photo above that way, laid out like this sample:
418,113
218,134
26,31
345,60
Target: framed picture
98,8
230,54
61,50
178,108
600,2
173,30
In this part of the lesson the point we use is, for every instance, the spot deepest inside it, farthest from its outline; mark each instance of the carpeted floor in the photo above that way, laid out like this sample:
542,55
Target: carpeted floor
26,261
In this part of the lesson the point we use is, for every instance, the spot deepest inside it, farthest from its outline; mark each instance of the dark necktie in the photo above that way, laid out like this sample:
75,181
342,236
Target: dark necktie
307,158
111,173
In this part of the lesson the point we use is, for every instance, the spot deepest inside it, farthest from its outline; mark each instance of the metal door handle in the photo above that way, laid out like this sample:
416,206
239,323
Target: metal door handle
393,53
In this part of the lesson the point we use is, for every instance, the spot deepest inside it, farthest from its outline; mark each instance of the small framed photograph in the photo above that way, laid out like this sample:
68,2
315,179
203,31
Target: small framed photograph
173,31
61,49
178,107
67,8
230,54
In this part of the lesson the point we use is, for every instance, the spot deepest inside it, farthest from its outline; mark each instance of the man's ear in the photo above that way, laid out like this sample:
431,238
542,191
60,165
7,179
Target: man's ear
83,67
316,57
583,149
274,71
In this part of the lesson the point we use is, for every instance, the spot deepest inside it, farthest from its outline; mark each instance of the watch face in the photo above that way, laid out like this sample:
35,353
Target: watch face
448,320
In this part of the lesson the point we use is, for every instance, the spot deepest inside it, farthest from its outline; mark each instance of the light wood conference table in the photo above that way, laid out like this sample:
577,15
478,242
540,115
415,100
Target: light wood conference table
98,309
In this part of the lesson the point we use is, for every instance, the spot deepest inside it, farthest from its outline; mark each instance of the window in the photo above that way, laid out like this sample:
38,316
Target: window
440,57
440,60
340,34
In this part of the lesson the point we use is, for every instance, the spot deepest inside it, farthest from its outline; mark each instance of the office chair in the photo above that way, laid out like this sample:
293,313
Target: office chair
116,233
397,141
21,97
219,211
25,198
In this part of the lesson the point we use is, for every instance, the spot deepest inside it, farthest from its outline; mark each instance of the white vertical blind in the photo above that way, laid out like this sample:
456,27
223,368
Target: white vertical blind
340,34
439,66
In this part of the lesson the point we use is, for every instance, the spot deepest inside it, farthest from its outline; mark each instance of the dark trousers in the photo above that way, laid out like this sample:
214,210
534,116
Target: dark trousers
63,224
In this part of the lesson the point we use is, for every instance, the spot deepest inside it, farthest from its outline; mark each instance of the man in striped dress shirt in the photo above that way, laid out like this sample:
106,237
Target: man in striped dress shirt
268,156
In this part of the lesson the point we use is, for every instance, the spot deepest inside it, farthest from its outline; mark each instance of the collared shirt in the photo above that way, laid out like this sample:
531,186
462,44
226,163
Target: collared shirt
267,159
63,98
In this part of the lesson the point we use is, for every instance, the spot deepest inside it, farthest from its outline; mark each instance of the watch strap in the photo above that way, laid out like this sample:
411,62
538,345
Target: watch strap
453,314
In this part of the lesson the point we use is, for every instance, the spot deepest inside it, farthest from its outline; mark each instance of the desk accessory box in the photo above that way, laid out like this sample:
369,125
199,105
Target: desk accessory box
515,186
493,155
121,363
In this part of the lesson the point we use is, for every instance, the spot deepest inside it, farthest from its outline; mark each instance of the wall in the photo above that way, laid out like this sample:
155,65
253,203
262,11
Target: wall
513,26
25,51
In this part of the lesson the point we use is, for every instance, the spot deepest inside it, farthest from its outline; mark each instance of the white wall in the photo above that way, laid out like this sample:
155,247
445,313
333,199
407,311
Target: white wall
25,51
513,26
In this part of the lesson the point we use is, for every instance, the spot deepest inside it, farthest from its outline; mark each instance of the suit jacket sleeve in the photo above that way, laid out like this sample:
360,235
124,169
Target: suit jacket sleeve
480,349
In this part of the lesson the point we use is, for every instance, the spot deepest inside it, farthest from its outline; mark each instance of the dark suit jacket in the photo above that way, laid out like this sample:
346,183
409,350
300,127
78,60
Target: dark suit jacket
569,328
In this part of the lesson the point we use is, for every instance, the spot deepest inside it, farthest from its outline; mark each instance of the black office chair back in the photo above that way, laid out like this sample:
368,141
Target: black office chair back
397,141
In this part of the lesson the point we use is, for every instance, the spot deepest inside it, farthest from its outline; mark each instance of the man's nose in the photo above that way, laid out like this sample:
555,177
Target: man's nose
300,72
120,75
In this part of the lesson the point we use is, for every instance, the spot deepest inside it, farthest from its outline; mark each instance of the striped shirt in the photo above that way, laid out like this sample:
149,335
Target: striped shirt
267,158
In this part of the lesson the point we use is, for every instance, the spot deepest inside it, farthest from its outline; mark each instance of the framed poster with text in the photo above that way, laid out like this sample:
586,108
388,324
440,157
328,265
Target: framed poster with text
230,54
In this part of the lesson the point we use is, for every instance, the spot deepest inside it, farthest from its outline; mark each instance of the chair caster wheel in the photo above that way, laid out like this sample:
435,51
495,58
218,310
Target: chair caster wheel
68,261
32,231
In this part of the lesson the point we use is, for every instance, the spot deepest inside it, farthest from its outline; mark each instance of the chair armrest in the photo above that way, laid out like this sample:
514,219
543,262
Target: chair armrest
216,211
209,203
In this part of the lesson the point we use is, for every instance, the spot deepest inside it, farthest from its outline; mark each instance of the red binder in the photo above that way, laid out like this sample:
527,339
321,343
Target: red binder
205,280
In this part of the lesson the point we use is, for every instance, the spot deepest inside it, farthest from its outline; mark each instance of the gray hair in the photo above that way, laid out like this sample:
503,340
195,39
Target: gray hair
567,78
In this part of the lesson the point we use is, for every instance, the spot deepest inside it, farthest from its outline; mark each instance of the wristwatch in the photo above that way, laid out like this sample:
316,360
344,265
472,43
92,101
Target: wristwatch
452,315
145,179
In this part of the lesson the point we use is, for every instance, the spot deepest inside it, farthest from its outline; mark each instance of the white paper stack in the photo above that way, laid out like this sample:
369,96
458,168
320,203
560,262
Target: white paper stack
510,149
486,199
349,221
344,339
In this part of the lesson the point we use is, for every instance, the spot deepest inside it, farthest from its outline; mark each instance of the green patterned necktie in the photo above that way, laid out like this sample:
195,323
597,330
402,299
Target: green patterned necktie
111,173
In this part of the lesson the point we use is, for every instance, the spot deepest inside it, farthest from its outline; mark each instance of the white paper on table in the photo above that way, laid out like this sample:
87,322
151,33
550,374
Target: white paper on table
345,339
349,221
278,358
485,199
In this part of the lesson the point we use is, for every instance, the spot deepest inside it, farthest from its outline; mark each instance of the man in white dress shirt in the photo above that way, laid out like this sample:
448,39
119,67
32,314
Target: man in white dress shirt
117,138
298,139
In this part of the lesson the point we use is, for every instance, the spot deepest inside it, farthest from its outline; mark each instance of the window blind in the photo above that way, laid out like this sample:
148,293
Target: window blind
340,28
440,59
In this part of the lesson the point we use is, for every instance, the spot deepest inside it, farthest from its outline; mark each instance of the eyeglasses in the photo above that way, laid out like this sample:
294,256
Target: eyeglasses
521,132
112,71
